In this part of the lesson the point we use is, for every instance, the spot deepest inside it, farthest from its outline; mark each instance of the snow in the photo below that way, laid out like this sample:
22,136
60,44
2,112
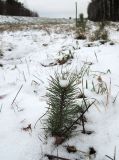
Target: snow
63,83
23,57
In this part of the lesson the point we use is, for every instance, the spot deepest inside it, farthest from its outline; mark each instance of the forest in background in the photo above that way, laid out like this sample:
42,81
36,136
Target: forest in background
99,10
15,8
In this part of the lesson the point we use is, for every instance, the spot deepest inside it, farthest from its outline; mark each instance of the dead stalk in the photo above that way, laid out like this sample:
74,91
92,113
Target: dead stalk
27,66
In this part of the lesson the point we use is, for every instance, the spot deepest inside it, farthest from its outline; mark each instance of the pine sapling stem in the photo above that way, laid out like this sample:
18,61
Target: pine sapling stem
83,125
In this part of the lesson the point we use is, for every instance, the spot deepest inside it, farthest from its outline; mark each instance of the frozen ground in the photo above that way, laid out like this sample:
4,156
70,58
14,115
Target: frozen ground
26,58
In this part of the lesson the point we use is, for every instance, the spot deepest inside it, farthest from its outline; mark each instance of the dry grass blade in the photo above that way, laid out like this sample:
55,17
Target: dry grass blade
108,94
114,158
17,94
27,66
109,157
38,79
115,98
96,57
97,108
115,153
40,119
1,107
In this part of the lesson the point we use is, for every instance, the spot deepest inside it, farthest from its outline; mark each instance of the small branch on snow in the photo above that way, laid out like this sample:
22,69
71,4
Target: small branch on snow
51,157
78,118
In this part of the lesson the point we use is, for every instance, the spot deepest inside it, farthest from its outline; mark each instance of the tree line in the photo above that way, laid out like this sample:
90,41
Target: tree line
15,8
99,10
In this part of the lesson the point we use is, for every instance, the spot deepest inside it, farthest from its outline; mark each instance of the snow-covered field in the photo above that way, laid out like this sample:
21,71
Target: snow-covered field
26,60
31,20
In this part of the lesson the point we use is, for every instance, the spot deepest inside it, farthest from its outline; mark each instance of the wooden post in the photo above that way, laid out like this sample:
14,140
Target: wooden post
76,14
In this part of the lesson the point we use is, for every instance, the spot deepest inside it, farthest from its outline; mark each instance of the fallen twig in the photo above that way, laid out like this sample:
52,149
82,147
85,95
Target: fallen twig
51,157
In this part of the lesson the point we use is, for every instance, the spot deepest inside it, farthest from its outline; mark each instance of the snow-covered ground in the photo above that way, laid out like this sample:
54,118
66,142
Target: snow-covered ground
31,20
26,65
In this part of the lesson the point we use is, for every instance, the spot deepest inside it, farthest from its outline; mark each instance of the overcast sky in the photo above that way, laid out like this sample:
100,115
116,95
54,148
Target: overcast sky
56,8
